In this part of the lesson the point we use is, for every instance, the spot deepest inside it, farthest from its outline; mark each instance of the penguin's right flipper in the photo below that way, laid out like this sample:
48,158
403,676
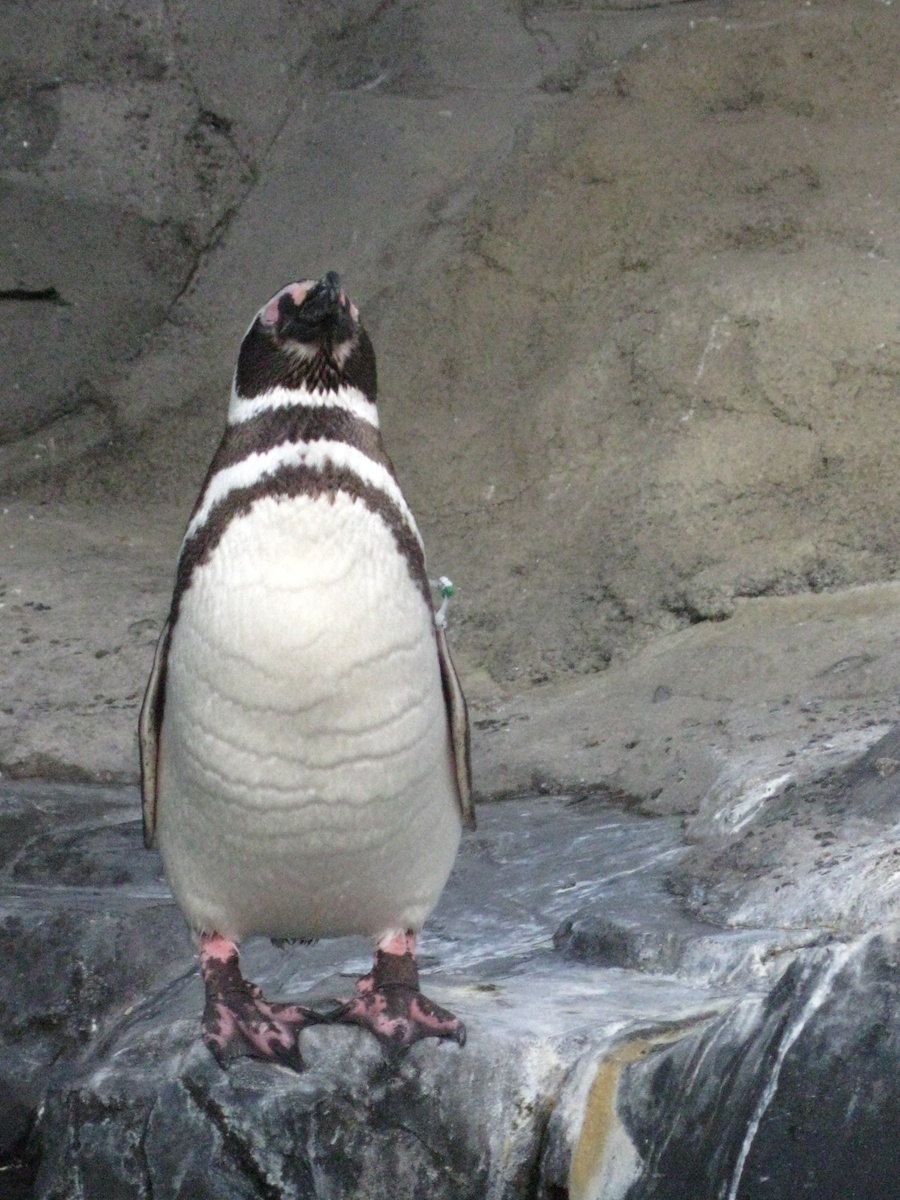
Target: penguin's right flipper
149,726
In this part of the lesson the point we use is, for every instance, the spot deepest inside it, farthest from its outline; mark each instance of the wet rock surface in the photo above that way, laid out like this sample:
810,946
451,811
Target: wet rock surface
826,853
618,1046
790,1094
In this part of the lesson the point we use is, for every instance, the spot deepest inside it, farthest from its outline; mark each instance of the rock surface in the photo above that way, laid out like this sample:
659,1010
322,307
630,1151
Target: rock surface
631,275
133,1103
614,1039
786,1095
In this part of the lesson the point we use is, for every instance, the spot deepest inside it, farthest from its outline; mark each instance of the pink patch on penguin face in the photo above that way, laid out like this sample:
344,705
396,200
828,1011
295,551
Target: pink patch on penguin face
346,302
297,291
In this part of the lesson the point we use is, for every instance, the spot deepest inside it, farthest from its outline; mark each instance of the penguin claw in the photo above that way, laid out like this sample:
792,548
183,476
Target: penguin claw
400,1016
238,1021
389,1004
237,1026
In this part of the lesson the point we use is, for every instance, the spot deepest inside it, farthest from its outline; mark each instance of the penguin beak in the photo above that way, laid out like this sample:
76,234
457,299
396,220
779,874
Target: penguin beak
324,298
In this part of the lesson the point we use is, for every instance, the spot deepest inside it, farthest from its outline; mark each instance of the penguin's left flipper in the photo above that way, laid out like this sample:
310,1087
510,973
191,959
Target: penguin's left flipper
238,1021
458,725
389,1004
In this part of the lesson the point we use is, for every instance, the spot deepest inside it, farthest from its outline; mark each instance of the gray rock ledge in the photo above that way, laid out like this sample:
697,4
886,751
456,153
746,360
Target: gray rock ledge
618,1046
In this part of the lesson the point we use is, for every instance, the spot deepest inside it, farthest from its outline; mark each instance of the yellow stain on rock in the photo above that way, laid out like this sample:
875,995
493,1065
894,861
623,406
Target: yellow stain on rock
604,1156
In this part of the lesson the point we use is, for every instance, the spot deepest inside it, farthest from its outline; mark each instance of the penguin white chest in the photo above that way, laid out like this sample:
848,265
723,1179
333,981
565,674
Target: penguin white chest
306,784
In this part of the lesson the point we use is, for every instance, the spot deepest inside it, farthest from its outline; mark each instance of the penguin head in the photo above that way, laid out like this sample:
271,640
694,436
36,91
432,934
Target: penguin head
304,317
309,335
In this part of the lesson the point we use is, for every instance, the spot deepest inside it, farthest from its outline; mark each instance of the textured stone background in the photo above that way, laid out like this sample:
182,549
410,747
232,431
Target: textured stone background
631,276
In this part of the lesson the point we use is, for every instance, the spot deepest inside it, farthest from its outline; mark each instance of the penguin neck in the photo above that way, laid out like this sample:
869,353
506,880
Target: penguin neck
347,398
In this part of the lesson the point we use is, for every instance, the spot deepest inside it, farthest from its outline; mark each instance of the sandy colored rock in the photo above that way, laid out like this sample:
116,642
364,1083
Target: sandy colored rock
81,607
666,363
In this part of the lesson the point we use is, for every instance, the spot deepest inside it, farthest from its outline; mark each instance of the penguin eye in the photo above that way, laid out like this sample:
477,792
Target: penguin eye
297,292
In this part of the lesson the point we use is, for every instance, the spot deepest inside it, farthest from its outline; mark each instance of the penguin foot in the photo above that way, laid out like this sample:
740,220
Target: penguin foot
238,1021
389,1004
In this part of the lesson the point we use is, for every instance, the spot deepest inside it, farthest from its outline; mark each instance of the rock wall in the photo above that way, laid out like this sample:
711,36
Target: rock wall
131,133
630,276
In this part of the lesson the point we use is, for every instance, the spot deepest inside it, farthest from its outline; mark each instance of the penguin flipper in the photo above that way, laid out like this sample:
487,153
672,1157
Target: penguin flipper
458,724
149,726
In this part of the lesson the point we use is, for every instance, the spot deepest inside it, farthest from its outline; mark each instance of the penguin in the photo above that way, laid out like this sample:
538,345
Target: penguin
304,738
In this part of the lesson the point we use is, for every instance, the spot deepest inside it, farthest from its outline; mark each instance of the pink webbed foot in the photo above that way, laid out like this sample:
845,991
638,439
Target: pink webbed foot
238,1021
389,1004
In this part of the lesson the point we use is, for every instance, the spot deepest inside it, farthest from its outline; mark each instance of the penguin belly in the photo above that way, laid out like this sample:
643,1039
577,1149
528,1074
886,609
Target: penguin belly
306,786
